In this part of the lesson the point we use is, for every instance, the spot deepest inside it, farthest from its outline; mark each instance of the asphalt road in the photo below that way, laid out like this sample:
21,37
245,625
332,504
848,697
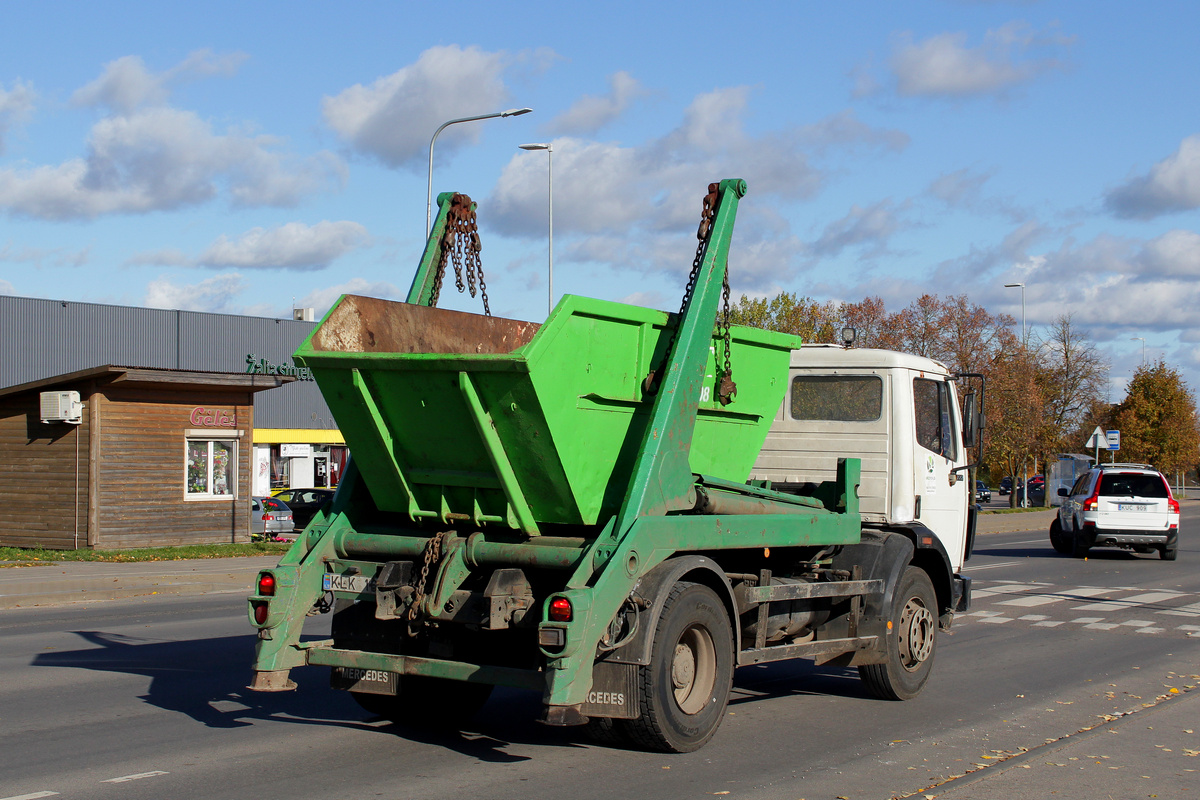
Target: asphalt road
145,698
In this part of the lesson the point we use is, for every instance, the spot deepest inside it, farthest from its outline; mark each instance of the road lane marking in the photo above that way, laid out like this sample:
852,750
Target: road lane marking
1192,610
1129,602
33,796
991,566
138,776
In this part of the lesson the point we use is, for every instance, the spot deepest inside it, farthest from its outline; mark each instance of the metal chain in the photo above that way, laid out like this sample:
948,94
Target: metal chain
433,554
726,389
707,213
460,244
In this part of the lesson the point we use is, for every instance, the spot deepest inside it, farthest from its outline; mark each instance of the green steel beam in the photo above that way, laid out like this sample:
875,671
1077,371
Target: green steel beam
421,291
495,450
661,480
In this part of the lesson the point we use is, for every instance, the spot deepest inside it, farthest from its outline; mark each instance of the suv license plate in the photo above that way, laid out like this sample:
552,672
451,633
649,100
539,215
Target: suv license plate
355,584
1131,507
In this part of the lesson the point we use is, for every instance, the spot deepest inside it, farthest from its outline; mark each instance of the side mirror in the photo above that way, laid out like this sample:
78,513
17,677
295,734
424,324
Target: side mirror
1064,491
972,421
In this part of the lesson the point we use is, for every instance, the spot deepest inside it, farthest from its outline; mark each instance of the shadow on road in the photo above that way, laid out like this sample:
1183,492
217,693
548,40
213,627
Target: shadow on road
206,680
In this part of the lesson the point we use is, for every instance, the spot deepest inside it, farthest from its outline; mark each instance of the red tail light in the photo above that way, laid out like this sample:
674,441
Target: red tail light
560,610
1172,503
1093,502
266,585
267,518
260,613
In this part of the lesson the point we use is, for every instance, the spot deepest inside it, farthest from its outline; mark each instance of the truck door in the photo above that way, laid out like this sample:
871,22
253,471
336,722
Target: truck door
942,504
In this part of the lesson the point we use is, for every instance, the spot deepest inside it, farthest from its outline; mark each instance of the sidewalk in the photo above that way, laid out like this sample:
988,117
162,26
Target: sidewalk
1153,752
1017,521
56,583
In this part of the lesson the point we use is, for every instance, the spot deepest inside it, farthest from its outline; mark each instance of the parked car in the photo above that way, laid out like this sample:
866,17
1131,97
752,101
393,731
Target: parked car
1118,505
305,503
1005,486
270,518
982,493
1037,495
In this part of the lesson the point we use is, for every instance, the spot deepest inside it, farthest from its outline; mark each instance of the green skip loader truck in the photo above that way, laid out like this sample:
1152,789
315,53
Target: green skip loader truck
594,509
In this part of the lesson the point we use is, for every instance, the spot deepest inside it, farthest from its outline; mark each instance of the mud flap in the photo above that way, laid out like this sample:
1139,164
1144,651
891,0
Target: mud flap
614,691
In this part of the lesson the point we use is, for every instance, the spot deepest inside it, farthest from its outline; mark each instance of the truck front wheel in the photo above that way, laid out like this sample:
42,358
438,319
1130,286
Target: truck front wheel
683,691
911,641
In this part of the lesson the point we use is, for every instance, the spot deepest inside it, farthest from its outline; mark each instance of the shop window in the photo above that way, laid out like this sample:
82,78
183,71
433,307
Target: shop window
211,469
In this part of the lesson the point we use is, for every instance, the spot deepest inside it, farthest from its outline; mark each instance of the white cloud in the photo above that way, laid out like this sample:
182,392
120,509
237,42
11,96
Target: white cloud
869,228
126,84
41,257
323,299
592,112
1175,253
394,118
6,287
292,246
215,294
163,158
1172,184
16,107
639,205
944,66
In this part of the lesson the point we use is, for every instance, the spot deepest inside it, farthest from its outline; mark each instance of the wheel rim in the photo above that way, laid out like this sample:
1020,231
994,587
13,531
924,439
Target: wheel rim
917,629
694,669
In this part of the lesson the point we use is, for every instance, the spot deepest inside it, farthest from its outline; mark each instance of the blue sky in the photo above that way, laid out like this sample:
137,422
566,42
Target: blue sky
244,157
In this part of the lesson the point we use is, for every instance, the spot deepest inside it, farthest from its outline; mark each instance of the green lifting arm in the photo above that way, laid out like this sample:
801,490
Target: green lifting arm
421,291
662,480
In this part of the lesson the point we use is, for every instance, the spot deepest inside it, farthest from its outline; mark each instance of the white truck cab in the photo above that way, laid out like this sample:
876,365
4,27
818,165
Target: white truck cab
899,414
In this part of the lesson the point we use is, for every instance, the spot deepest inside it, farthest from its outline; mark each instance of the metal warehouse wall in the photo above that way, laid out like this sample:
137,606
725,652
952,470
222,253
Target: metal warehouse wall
43,338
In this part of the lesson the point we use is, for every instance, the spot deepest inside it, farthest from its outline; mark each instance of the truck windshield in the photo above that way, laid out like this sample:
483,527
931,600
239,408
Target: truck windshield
837,398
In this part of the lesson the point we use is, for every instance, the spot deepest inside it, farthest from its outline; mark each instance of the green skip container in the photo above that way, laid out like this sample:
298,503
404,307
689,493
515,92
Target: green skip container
460,417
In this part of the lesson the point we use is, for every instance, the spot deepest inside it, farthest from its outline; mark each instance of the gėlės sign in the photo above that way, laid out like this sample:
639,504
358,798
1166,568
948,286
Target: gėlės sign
202,417
262,366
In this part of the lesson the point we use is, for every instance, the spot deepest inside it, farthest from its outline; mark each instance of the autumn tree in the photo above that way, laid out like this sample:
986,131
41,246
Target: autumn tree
789,313
1157,420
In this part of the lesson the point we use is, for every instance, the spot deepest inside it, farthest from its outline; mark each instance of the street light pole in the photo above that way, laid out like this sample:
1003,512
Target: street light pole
1022,286
1143,340
549,148
512,112
1024,464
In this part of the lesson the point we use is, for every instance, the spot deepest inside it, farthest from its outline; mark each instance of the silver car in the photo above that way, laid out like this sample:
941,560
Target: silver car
270,519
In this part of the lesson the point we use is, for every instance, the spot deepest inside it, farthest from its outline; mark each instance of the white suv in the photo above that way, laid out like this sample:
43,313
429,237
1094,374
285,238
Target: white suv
1118,505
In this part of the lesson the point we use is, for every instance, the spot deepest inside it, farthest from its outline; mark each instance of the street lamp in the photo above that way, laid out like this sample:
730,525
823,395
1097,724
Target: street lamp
512,112
550,179
1022,286
1143,341
1024,465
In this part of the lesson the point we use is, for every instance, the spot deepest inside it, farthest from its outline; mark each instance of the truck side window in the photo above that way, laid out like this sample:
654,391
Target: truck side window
934,417
837,398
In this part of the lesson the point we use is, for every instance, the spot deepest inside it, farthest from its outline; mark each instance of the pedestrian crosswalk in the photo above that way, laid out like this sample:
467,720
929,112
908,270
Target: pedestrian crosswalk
1095,608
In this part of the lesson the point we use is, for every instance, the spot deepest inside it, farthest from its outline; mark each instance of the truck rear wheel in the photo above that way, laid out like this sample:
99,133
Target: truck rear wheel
911,641
683,691
428,702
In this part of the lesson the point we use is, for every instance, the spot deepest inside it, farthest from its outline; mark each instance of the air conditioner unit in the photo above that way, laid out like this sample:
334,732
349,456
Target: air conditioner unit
303,314
62,407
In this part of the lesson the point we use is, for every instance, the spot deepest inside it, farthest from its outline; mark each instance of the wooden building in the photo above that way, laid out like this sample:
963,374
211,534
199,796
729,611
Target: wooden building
121,457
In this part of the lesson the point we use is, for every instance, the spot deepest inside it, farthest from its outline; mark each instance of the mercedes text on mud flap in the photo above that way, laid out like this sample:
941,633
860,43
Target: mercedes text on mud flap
586,508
